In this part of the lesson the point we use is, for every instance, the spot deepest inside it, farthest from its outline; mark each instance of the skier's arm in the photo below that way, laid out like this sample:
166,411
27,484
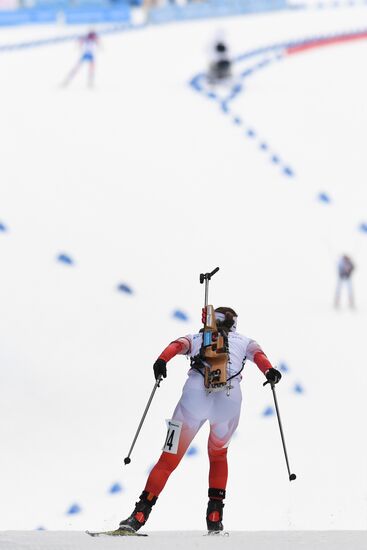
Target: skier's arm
256,354
179,346
262,362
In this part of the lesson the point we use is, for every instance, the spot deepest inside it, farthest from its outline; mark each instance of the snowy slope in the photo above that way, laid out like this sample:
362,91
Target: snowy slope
58,540
146,182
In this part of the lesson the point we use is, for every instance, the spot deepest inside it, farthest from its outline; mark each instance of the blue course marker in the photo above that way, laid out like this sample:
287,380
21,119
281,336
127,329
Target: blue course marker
192,451
324,197
74,509
65,259
115,488
363,227
251,133
269,411
275,159
122,287
224,107
3,227
283,367
40,528
237,120
288,171
298,388
180,315
263,146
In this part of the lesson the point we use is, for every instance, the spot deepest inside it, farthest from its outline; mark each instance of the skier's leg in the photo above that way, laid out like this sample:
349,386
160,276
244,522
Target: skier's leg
192,411
337,293
350,294
91,74
223,424
168,462
72,74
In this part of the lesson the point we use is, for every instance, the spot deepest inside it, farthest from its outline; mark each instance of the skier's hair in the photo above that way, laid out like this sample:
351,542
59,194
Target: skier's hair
229,314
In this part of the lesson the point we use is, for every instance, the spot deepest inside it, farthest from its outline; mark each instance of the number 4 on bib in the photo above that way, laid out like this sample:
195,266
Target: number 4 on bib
172,437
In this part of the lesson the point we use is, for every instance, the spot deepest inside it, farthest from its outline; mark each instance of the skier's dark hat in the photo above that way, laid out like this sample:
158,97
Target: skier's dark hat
226,318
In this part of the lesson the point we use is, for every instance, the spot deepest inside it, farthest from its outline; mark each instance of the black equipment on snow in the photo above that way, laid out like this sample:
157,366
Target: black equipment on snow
116,533
292,477
140,514
127,460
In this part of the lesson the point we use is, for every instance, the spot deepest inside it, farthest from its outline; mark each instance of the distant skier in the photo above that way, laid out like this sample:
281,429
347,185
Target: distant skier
220,64
220,406
345,270
88,45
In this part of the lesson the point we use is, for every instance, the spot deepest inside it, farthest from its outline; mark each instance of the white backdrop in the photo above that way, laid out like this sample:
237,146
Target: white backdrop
143,181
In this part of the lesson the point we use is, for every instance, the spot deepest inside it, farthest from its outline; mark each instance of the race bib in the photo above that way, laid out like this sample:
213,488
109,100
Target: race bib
173,436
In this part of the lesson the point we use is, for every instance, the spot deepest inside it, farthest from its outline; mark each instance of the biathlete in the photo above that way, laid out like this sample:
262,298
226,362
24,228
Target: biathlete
88,45
219,404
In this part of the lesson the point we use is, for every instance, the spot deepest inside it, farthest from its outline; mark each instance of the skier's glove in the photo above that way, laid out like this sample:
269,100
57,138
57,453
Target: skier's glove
273,376
160,368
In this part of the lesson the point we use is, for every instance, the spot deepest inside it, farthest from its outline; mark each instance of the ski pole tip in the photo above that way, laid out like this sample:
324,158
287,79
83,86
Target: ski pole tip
127,460
292,477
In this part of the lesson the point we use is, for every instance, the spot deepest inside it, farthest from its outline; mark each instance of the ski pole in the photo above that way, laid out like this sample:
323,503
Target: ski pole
127,460
291,476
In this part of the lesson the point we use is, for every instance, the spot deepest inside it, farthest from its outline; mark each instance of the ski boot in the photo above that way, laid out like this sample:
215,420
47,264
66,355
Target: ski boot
140,513
214,512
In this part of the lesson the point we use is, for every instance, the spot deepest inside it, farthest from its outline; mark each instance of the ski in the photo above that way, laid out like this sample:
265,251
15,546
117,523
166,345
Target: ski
217,534
116,533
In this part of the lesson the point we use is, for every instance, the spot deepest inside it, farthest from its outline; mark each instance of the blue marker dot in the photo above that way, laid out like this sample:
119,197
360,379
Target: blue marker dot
263,146
180,315
40,528
192,451
288,171
251,133
74,509
3,227
237,120
115,488
212,95
283,367
298,388
65,259
324,197
122,287
275,159
363,227
224,107
269,411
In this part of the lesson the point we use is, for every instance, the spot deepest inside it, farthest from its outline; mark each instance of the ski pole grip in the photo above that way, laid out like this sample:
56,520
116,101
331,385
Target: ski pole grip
214,271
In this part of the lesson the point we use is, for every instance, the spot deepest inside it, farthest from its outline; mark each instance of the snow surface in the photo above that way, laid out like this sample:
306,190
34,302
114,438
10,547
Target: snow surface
286,540
145,182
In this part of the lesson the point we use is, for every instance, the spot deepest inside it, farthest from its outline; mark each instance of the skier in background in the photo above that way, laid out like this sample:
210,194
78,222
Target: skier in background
345,270
196,406
220,64
88,45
